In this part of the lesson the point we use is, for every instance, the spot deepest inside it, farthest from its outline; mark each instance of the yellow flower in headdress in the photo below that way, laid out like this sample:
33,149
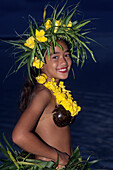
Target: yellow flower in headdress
41,79
57,24
37,63
40,35
30,42
64,25
48,24
69,25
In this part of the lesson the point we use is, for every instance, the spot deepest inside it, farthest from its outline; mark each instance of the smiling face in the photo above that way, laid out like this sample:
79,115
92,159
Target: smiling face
59,64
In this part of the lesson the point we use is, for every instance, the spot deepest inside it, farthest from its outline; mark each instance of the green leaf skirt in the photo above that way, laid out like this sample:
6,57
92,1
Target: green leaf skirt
16,160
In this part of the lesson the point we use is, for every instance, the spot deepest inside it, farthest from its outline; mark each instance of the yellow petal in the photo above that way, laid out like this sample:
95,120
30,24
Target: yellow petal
41,79
69,24
48,24
57,23
37,63
30,42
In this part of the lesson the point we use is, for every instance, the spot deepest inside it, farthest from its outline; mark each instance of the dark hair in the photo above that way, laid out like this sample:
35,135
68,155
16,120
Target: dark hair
28,89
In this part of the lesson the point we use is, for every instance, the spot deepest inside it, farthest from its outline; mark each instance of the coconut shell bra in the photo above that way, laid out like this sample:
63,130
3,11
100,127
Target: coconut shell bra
66,108
62,117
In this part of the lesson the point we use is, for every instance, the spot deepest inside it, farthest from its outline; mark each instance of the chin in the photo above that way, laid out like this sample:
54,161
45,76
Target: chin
63,77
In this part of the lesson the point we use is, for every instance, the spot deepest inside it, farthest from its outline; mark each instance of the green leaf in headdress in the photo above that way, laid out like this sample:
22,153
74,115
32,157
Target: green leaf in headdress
83,23
68,18
59,13
59,45
23,56
31,29
48,52
44,14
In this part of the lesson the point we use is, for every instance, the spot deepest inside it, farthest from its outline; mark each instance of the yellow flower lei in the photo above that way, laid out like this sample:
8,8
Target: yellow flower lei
63,96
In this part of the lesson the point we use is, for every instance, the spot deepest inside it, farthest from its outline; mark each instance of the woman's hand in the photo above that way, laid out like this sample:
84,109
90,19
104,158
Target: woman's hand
63,158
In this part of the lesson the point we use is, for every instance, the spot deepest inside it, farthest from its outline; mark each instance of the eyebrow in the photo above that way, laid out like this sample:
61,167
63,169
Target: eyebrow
59,52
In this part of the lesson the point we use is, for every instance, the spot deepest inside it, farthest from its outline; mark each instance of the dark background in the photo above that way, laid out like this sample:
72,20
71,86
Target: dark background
14,20
93,84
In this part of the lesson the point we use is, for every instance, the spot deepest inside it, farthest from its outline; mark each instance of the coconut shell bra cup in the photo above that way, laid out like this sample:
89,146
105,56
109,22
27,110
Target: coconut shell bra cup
66,109
62,117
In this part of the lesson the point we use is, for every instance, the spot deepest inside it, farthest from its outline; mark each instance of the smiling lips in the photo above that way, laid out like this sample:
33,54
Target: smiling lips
63,70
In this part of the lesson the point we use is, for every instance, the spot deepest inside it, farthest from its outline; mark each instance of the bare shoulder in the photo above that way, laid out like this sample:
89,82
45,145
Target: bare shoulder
42,92
41,96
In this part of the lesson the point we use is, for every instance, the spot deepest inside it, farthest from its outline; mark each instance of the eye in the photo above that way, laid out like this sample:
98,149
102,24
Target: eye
67,55
54,57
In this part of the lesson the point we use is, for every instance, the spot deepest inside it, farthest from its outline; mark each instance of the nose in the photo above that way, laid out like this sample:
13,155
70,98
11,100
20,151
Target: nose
63,61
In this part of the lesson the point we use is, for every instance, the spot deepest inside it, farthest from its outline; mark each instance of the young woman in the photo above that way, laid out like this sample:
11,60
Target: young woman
36,132
47,107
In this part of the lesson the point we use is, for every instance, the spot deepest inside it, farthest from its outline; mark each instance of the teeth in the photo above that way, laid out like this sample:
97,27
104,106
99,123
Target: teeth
64,69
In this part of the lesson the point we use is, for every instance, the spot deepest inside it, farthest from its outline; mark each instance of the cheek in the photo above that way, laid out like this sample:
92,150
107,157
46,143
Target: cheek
69,62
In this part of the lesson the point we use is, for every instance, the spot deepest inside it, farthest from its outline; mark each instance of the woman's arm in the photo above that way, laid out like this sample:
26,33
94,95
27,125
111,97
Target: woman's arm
24,137
22,134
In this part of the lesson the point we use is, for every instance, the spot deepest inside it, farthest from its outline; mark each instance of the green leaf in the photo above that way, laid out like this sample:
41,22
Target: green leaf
8,143
39,50
49,164
78,54
91,52
31,29
56,164
93,41
3,150
82,24
75,154
28,68
48,53
59,13
12,158
22,63
74,56
24,55
81,42
32,55
54,42
44,14
55,11
70,16
52,47
59,45
29,164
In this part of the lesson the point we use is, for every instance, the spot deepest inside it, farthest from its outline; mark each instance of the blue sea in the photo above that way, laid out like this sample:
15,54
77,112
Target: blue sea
92,87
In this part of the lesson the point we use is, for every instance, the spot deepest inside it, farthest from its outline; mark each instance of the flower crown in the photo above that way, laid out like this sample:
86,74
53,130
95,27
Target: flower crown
41,37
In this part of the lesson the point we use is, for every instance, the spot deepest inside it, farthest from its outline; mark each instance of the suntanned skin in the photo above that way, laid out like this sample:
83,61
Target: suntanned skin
36,131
